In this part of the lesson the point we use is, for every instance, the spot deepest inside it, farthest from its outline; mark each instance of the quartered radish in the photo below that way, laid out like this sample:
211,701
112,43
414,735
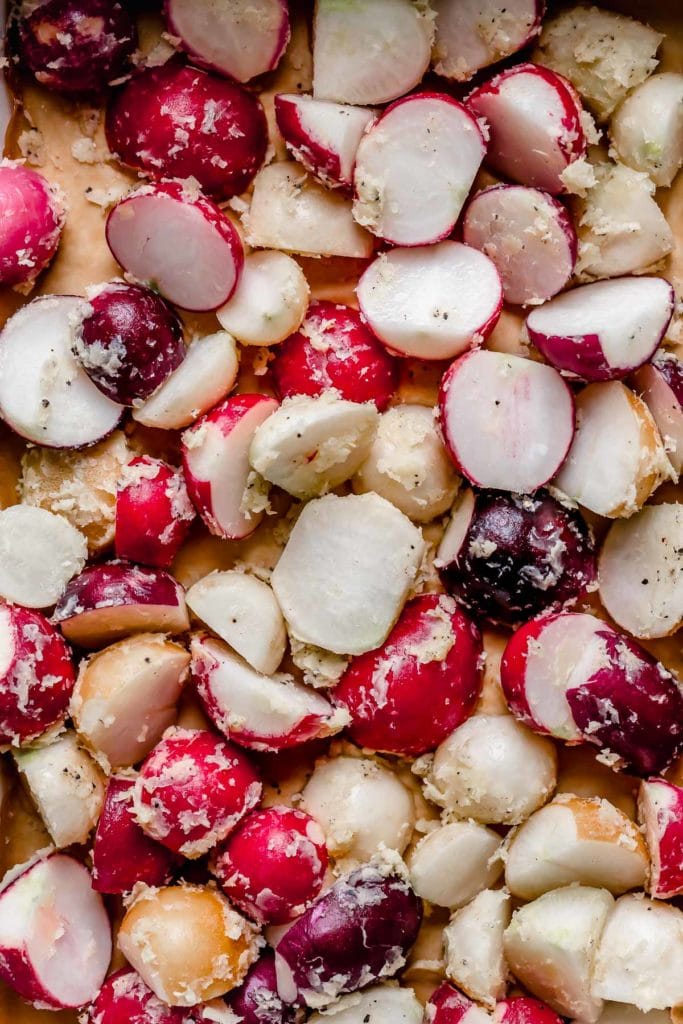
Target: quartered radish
455,862
602,331
431,302
529,236
379,1004
447,1005
473,946
660,811
269,302
647,129
472,34
34,217
534,119
39,553
45,395
415,167
153,512
660,385
172,236
508,422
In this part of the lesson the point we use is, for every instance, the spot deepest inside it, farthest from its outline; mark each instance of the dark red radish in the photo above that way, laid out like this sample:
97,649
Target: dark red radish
216,465
506,558
125,999
523,1010
528,235
415,167
257,1001
507,421
237,40
273,865
173,237
33,218
472,34
77,47
604,330
122,855
534,119
192,790
411,693
431,302
39,553
55,936
153,512
45,394
323,136
660,812
448,1005
176,121
660,384
114,599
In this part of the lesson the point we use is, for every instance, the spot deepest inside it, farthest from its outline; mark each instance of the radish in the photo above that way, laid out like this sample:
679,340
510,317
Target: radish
125,999
424,302
175,121
647,129
379,1004
36,675
239,42
322,136
660,811
269,302
171,235
412,194
45,395
508,422
470,35
455,862
34,217
334,349
216,465
39,554
522,1010
111,600
192,790
202,380
641,583
257,1000
55,936
581,332
660,385
397,33
528,235
153,512
473,946
449,1006
370,550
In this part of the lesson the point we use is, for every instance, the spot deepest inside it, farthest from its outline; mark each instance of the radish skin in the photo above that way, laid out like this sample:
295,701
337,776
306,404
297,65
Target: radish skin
124,998
660,811
153,512
471,35
34,215
660,385
448,1005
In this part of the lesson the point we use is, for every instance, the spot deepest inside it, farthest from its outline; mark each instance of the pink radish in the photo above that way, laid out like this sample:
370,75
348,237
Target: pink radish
125,999
55,937
454,862
660,810
216,464
153,512
602,331
660,384
472,34
647,129
534,117
239,42
529,236
448,1005
171,235
257,1000
523,1010
34,216
507,421
415,167
322,136
424,302
45,395
39,554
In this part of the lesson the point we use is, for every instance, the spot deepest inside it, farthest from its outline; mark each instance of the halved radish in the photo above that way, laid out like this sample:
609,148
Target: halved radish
259,990
431,302
602,331
39,554
35,215
529,236
660,385
153,512
381,1004
647,129
170,235
238,40
269,302
534,117
370,52
473,946
471,34
415,167
125,999
507,421
660,811
448,1005
45,395
523,1010
216,464
454,862
55,937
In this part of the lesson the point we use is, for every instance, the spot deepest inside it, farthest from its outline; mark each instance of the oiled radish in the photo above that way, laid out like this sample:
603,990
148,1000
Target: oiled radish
473,946
39,554
660,385
35,215
647,129
472,34
660,811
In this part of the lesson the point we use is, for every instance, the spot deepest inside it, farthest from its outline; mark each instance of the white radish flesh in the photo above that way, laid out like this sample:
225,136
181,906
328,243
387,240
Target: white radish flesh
472,34
454,863
647,129
473,941
660,811
381,1004
660,385
39,554
269,302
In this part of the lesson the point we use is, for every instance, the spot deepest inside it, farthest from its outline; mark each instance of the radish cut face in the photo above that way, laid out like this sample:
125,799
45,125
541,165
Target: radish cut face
507,421
415,167
39,554
431,302
471,34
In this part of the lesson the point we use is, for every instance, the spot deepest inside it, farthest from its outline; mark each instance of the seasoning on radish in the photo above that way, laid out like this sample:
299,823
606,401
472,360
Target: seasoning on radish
523,1010
153,512
660,811
471,35
269,302
660,385
447,1005
473,946
39,554
34,214
455,862
647,129
379,1004
125,999
257,1001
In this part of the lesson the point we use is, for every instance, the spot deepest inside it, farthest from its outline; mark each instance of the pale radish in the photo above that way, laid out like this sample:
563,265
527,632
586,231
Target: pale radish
472,34
473,946
269,302
647,129
379,1004
153,512
660,811
39,553
660,385
455,862
447,1005
35,216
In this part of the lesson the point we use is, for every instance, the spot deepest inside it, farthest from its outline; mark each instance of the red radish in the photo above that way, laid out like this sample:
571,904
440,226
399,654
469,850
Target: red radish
523,1010
472,34
112,600
322,136
55,937
602,331
529,236
660,810
454,862
433,649
335,349
647,129
239,42
45,395
192,791
381,1004
273,865
36,675
125,999
660,384
257,1001
39,554
34,215
415,167
216,464
173,236
153,512
78,47
534,117
473,946
449,1006
431,302
508,422
269,302
122,855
